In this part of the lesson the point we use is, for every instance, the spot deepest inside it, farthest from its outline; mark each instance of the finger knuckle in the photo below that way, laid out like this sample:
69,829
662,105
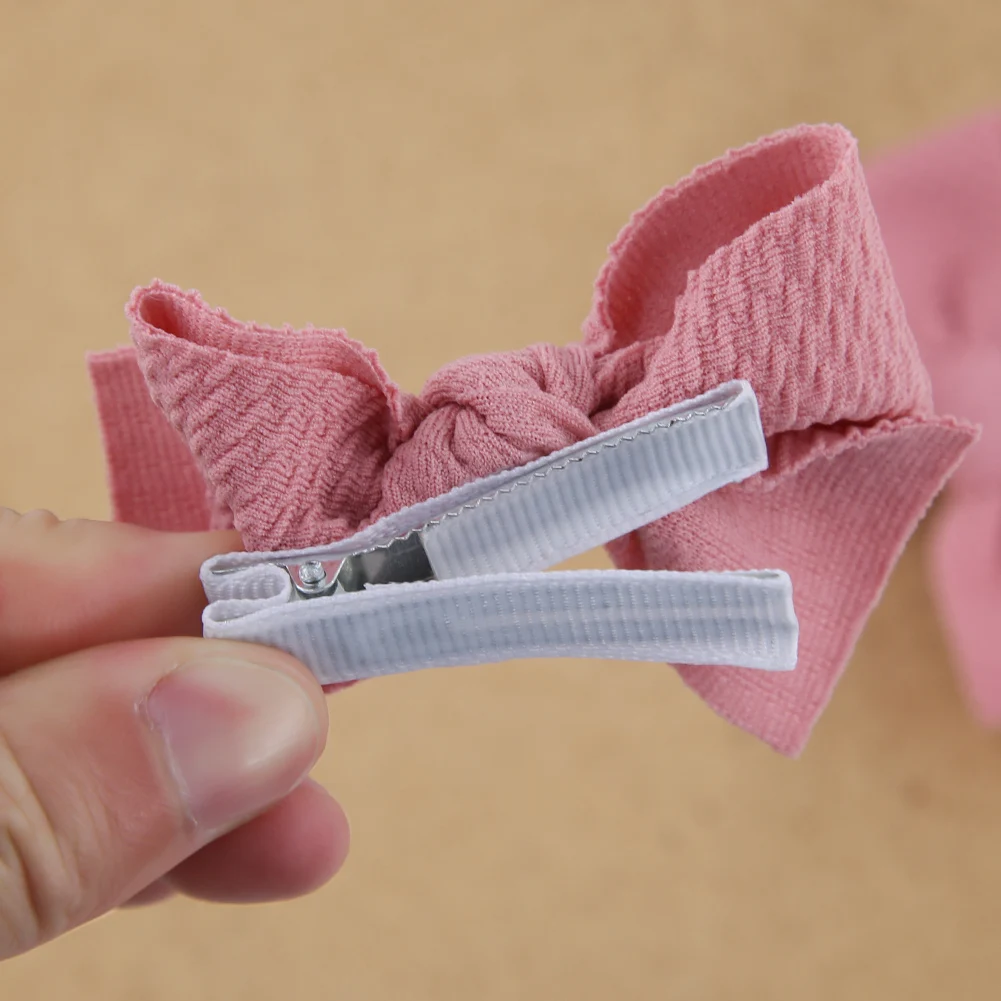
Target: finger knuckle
14,524
40,889
40,518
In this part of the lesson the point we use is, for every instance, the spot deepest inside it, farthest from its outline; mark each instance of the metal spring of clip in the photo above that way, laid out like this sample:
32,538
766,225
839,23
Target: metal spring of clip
402,561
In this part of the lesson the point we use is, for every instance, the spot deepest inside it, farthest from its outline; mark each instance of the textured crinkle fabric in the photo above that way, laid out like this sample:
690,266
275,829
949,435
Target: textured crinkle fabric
939,204
766,265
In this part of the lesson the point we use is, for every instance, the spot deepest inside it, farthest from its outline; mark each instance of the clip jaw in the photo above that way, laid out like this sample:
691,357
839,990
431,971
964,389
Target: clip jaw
465,570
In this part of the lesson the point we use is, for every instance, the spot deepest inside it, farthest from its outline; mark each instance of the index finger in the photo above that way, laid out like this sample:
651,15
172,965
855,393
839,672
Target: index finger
67,585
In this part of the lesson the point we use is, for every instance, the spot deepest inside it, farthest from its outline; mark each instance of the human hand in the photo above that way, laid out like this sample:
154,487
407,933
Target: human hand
137,759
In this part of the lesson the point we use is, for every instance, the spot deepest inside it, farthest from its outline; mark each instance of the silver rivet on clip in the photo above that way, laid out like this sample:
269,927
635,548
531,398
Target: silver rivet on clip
309,580
312,574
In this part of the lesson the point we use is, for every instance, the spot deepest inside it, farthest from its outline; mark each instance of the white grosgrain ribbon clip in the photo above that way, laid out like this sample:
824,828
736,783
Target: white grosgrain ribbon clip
457,579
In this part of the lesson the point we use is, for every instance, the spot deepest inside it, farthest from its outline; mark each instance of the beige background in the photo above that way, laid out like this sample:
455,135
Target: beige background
442,177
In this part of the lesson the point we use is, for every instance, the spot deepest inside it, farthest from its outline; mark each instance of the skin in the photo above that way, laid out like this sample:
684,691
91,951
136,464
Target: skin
99,629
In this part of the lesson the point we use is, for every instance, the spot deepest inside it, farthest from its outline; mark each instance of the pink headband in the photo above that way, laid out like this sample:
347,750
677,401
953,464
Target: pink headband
766,265
939,206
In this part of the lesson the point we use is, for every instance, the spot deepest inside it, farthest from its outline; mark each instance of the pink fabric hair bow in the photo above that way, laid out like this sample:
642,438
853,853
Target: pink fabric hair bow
939,204
766,265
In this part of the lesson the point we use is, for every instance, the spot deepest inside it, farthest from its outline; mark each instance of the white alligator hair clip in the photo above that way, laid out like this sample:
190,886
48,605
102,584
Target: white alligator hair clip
458,579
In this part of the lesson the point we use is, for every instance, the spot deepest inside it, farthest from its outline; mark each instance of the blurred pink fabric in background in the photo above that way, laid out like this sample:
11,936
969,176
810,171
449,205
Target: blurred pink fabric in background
939,207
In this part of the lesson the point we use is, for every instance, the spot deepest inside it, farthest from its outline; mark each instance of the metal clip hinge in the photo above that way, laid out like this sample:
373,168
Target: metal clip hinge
402,561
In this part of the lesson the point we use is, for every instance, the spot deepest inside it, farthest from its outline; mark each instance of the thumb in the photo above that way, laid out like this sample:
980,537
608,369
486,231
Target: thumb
118,762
